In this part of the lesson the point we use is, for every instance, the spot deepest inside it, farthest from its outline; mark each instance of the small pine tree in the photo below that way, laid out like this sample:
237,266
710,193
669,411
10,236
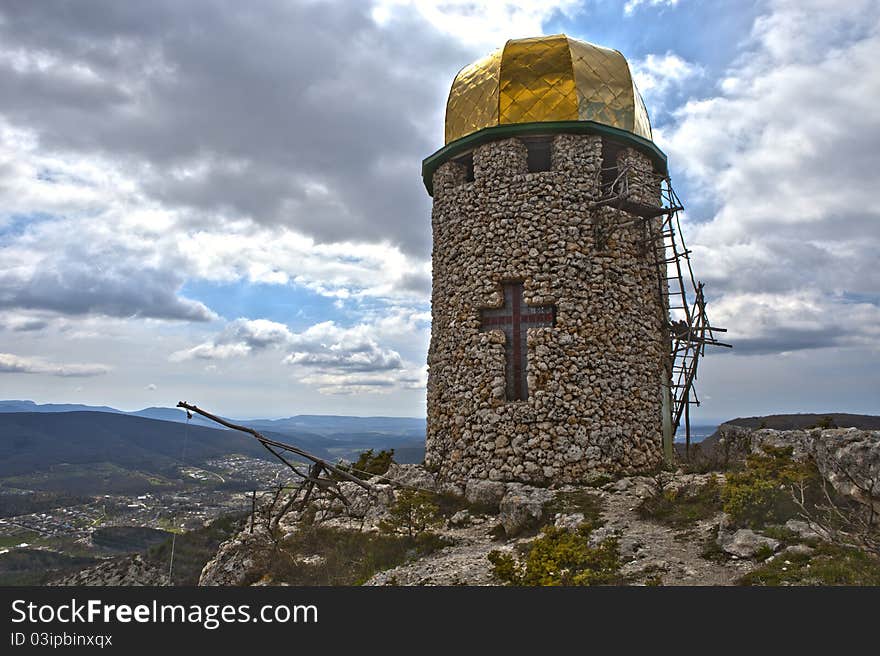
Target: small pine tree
370,464
413,512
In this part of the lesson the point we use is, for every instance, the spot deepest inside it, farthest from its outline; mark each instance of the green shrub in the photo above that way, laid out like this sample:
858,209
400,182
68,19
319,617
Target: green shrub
450,503
370,464
683,507
413,512
824,423
827,565
561,557
654,580
761,493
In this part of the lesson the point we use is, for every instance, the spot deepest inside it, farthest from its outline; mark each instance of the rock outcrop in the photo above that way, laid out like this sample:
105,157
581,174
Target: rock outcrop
848,458
125,571
236,562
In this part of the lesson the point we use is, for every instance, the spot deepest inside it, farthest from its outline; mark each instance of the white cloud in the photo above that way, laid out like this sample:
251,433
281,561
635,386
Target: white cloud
151,387
337,383
327,346
764,323
336,359
239,338
341,269
656,74
15,364
131,257
785,156
631,5
485,22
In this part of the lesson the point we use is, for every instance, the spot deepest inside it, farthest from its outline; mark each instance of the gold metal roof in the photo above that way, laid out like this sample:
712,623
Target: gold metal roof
548,78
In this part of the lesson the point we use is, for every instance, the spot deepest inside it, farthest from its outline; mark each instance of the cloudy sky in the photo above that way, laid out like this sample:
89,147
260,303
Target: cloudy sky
220,201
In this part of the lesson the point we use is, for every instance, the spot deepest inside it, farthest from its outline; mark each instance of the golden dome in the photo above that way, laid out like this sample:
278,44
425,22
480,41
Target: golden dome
546,79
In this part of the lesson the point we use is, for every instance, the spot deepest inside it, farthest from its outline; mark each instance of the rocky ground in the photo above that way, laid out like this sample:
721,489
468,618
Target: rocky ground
648,549
128,570
505,517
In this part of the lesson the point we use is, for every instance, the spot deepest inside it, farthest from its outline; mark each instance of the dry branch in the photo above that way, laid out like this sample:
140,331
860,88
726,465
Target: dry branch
274,445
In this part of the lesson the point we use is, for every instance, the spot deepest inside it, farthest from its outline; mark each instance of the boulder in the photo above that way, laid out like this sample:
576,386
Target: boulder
484,493
568,522
236,562
620,485
849,459
363,504
460,519
413,476
599,535
803,530
745,542
522,508
798,550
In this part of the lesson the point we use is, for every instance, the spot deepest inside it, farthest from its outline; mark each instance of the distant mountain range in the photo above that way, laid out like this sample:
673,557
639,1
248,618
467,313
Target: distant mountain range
327,425
811,420
801,421
35,441
37,438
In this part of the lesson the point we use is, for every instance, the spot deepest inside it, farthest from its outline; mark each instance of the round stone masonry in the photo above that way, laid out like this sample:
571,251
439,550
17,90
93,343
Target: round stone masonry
548,345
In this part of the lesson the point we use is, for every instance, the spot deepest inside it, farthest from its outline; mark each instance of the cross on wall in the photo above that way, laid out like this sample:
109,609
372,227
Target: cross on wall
514,318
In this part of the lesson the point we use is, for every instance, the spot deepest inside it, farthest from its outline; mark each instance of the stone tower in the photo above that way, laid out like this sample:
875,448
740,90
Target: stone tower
549,356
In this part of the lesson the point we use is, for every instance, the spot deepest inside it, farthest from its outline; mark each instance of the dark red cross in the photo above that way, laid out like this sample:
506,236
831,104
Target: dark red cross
515,318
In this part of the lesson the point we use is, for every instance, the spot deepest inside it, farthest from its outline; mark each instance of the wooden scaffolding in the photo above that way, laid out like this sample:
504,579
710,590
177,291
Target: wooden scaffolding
683,301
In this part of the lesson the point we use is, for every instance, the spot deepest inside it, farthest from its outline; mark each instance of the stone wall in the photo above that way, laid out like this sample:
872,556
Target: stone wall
594,379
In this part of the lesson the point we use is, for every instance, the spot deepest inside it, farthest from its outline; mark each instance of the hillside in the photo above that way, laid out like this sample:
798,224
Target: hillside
341,433
17,405
31,441
801,421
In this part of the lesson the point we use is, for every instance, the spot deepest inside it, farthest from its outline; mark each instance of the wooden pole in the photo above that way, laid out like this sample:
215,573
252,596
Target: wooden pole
253,508
687,425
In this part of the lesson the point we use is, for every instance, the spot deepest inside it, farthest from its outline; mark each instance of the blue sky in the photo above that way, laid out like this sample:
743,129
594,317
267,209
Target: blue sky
221,201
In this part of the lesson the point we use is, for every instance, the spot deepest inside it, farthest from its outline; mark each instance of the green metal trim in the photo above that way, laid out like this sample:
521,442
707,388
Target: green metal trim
470,141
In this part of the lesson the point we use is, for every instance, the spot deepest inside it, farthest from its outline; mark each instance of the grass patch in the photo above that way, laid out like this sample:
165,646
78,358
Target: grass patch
827,565
785,536
448,504
683,507
343,557
712,551
15,540
578,501
598,480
